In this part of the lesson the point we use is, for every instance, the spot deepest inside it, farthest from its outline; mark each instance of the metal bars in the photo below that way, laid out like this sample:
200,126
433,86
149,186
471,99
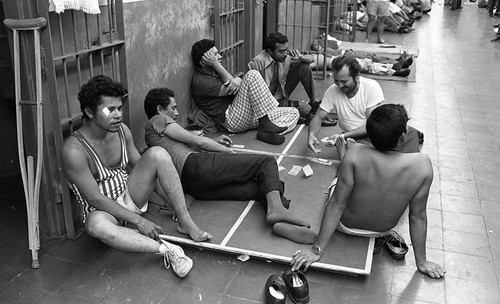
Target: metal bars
303,21
78,46
81,54
230,22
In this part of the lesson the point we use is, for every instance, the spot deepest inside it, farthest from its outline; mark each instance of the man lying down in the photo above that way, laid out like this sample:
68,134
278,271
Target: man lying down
374,188
370,63
210,170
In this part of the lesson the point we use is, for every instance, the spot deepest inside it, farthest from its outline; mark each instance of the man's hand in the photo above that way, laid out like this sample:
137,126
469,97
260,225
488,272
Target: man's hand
233,86
431,269
224,140
313,141
336,139
149,228
209,59
303,258
295,54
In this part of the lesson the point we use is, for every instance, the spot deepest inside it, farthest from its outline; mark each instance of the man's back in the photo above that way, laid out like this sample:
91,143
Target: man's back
384,185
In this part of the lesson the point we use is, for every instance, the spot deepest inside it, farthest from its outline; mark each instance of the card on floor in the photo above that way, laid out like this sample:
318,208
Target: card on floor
295,170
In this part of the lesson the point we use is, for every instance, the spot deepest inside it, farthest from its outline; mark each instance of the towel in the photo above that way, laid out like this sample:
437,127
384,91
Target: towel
87,6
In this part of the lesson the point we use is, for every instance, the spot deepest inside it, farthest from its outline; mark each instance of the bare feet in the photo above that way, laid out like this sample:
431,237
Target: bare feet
344,144
194,232
295,233
273,217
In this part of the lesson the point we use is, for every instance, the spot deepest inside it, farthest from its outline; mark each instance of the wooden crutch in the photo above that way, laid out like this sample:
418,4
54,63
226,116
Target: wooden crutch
31,179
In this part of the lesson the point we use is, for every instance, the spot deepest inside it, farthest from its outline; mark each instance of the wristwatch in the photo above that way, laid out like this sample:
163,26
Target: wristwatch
317,250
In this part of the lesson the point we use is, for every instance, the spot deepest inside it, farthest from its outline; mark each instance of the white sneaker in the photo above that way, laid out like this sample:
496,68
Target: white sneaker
175,256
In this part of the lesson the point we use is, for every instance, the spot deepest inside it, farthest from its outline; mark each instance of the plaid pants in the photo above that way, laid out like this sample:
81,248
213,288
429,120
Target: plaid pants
253,101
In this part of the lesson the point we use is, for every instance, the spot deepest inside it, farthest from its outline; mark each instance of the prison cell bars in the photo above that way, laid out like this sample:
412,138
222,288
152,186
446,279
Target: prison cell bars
77,47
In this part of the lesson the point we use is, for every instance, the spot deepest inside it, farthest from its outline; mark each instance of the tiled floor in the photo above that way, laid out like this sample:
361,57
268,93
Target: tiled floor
454,102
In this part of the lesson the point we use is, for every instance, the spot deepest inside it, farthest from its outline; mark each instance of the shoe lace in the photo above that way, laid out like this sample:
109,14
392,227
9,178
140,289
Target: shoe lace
170,257
166,260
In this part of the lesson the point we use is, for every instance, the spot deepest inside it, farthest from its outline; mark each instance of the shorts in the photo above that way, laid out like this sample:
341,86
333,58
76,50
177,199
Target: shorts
377,8
359,232
126,201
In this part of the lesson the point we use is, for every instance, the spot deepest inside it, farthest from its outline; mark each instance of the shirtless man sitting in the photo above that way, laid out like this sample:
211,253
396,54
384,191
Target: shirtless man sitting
209,169
112,182
375,186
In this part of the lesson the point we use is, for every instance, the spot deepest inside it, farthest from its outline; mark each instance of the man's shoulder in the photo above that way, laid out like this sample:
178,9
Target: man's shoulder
262,56
332,90
419,160
72,150
260,61
369,83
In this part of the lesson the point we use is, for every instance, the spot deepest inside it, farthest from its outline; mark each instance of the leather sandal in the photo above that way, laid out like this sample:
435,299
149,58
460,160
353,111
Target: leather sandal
396,245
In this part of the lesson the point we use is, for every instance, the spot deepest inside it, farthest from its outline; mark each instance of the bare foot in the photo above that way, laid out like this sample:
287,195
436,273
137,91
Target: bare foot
194,232
350,142
273,217
381,41
343,145
295,233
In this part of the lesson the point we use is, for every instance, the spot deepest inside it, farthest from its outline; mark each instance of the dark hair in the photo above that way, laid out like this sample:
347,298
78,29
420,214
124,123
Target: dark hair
199,48
157,97
349,61
273,38
100,85
385,126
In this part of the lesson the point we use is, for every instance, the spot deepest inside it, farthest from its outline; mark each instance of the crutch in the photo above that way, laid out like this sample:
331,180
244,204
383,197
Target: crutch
31,179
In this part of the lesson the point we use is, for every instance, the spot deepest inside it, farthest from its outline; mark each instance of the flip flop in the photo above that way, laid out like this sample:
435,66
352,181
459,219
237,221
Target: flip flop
396,245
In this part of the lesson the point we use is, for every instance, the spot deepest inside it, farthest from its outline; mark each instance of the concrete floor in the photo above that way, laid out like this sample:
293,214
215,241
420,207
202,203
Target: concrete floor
453,101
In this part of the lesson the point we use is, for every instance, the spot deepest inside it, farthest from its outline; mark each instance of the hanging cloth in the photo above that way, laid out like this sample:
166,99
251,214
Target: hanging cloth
87,6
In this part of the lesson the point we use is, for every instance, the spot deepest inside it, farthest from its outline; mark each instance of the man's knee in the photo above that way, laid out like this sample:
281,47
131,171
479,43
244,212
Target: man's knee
99,225
305,70
252,76
157,154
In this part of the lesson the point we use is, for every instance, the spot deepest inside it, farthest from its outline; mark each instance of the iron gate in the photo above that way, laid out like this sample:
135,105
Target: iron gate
303,21
77,46
233,32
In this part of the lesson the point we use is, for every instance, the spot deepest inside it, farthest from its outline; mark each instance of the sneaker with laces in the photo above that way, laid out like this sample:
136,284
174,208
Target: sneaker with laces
175,256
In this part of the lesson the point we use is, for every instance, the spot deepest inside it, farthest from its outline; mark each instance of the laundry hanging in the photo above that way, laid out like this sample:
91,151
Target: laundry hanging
87,6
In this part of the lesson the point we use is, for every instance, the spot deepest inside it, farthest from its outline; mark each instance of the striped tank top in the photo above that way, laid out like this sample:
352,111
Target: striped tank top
112,182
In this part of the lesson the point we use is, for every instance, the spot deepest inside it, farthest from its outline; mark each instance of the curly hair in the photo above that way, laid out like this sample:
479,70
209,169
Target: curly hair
91,92
385,126
157,97
273,38
199,48
349,61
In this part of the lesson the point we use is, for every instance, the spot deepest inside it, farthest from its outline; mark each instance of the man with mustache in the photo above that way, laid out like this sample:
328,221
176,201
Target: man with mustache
353,98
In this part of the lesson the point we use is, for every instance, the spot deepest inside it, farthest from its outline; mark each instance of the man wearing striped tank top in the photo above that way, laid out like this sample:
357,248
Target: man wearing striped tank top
112,181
